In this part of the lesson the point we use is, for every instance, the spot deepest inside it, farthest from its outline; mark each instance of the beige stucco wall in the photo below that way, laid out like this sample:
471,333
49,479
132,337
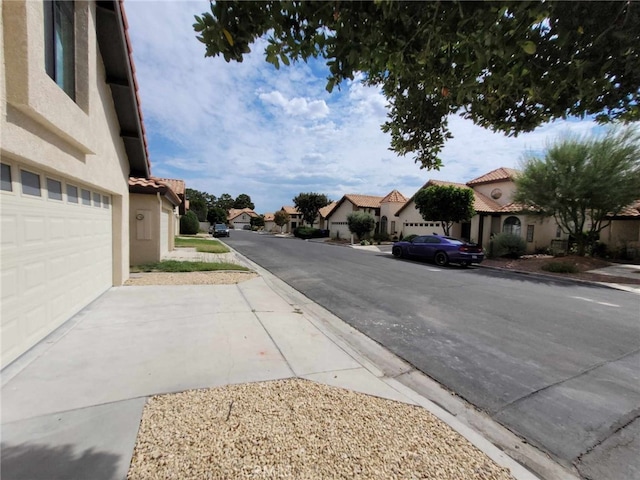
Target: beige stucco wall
76,142
45,128
337,221
623,236
241,220
507,189
389,210
145,211
411,222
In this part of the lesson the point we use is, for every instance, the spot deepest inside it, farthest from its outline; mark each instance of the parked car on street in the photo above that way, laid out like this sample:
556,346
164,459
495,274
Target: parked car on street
440,249
219,230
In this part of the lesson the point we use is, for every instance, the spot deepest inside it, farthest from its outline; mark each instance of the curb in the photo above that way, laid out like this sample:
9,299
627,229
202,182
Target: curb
612,286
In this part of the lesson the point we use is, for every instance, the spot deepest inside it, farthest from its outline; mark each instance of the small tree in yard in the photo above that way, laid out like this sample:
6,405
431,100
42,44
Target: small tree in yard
189,224
281,218
360,223
446,203
309,204
257,221
582,180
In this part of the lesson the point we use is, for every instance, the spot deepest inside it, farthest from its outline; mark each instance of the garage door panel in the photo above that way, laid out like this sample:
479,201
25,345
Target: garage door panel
56,258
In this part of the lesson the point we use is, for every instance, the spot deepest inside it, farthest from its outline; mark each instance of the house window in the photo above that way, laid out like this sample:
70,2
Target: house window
72,194
54,189
530,233
393,226
512,225
30,183
86,197
59,39
105,202
97,199
6,178
558,232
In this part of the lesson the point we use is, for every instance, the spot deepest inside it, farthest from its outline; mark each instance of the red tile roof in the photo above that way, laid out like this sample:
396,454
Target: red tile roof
364,201
481,203
631,210
135,80
498,175
153,186
236,212
394,196
269,217
177,186
325,211
291,210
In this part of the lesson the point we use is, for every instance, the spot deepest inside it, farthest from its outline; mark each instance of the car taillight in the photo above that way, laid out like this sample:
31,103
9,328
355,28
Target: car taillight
470,249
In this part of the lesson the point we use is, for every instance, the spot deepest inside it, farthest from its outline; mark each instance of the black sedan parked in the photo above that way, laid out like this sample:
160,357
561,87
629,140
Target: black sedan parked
440,249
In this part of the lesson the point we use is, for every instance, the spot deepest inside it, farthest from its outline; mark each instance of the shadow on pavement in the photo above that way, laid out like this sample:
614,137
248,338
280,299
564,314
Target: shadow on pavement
41,462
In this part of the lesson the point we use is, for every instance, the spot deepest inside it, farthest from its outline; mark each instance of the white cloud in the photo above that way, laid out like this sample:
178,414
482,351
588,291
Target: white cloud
249,128
296,106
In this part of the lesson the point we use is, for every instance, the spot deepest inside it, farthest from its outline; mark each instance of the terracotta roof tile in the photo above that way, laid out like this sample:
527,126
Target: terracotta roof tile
176,185
324,211
481,203
135,80
235,212
631,210
497,175
290,210
394,196
269,217
364,201
153,186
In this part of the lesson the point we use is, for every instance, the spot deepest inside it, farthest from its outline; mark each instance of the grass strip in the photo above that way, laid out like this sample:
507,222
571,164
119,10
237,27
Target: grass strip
204,245
178,266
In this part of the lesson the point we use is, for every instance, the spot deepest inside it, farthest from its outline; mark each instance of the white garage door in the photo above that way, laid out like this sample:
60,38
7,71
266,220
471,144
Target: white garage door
56,254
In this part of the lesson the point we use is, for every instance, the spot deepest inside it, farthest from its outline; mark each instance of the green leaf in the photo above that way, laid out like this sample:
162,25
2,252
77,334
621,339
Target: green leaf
529,47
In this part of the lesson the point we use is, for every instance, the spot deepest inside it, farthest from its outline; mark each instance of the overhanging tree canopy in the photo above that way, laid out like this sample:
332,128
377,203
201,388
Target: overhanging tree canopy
508,66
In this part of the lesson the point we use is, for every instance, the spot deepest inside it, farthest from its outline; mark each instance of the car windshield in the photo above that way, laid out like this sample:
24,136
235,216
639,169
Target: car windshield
221,227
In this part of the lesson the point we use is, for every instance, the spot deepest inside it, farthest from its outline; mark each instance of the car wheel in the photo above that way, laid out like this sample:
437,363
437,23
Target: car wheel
397,252
441,259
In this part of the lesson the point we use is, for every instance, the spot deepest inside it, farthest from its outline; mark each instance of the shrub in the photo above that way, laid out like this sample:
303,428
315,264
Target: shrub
189,223
308,232
560,267
509,245
360,223
381,237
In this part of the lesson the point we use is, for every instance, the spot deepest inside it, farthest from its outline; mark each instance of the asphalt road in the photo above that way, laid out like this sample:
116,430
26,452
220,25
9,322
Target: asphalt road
555,362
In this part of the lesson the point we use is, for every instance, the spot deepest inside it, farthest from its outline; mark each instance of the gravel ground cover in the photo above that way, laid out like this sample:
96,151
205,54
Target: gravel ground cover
299,429
190,278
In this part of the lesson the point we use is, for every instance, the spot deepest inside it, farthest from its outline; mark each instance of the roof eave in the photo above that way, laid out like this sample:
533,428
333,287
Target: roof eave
114,49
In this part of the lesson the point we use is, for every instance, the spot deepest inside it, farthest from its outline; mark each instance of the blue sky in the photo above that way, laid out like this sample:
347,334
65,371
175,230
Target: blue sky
249,128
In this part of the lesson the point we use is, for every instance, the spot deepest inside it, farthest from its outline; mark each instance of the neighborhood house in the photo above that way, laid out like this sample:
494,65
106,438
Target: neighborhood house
79,205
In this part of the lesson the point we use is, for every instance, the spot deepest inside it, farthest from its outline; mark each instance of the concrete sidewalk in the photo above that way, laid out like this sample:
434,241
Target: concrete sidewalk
71,406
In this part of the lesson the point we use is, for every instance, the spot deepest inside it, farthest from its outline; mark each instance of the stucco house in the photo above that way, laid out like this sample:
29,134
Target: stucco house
383,209
153,219
295,219
270,223
349,203
72,134
323,213
622,231
495,213
238,218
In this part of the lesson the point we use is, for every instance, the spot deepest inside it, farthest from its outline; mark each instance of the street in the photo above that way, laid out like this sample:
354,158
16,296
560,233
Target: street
555,362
